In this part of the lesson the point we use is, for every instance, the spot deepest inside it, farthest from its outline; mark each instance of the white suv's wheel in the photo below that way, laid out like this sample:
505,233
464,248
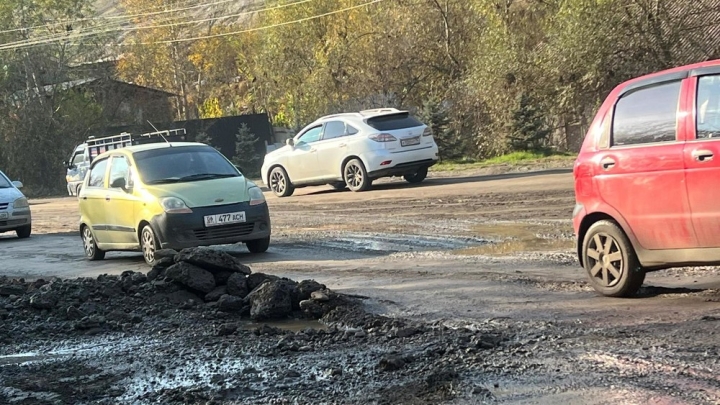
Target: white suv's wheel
280,182
356,176
610,261
416,177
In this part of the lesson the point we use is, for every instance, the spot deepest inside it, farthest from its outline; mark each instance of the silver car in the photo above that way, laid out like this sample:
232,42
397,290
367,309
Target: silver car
14,208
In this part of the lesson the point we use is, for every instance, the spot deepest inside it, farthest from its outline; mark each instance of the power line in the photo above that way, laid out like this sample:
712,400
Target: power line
117,26
123,17
263,28
67,37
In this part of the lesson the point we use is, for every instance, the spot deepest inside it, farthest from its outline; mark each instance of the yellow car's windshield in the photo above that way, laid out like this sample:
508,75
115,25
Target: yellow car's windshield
182,163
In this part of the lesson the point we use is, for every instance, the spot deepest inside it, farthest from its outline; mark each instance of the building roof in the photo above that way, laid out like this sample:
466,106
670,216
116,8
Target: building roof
82,82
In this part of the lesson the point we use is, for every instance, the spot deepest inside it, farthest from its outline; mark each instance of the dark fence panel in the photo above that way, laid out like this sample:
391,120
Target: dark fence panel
222,130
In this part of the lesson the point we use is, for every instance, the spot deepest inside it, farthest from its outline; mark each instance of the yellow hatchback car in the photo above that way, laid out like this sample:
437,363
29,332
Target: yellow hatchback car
169,196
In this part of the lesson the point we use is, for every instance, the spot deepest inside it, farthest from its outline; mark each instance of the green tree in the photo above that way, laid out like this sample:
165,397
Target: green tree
527,129
437,117
204,137
247,156
42,119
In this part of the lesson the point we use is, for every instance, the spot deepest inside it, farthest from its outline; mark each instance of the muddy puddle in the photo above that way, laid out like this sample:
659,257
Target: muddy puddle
130,368
293,325
396,243
513,237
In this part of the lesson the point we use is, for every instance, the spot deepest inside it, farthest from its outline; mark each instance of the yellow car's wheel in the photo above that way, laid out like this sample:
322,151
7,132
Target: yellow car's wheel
92,252
148,243
258,245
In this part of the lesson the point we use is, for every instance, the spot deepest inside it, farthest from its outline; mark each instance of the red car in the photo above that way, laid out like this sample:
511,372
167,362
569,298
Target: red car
646,179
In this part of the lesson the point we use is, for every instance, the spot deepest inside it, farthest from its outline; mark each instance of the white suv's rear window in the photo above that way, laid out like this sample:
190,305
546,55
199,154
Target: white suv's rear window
392,122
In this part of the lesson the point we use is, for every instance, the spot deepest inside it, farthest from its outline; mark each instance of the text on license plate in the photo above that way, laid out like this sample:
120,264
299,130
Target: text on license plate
224,219
3,215
410,141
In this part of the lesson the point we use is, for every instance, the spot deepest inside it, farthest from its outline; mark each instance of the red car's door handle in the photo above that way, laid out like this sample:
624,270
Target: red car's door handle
702,155
607,163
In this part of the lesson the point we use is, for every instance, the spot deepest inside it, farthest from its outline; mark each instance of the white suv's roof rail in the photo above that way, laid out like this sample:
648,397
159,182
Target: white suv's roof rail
340,115
362,114
375,111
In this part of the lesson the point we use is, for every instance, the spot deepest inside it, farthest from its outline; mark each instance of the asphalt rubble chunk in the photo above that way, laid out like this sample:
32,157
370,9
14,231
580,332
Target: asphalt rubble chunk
200,278
182,333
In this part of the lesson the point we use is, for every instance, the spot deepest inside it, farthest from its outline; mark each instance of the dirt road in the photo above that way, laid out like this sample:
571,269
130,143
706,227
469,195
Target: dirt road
467,250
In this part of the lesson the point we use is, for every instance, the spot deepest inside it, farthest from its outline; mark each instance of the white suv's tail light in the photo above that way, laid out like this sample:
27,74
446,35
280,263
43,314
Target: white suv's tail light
427,131
382,138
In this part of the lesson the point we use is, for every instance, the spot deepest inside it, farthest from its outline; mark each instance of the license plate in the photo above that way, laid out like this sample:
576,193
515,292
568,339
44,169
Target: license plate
3,215
225,219
410,141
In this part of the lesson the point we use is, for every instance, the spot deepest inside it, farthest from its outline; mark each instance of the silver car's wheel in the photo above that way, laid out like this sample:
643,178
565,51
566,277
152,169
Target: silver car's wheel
148,244
280,182
24,232
92,252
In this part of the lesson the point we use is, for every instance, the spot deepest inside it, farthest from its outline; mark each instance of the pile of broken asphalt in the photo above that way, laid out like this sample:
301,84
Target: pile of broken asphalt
181,334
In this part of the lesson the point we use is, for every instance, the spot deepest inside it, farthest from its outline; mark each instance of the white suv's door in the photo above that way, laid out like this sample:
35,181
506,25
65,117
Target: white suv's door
302,161
332,149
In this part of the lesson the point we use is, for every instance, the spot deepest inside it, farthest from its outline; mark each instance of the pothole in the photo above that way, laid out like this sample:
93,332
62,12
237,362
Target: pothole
393,243
515,237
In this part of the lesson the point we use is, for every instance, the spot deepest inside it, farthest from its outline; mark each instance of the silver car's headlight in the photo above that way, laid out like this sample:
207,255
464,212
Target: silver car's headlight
21,202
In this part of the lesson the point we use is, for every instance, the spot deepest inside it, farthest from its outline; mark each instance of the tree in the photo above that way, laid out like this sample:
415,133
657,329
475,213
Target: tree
528,130
203,137
246,152
41,119
437,117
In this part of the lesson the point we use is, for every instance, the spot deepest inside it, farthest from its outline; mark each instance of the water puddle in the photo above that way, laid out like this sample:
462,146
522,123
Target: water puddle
293,325
25,358
395,243
517,237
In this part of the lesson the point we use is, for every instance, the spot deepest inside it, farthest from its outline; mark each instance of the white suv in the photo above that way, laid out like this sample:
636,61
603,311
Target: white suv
351,150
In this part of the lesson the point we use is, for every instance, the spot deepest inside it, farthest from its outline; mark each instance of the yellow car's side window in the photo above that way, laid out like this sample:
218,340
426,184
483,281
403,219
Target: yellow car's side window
97,174
119,170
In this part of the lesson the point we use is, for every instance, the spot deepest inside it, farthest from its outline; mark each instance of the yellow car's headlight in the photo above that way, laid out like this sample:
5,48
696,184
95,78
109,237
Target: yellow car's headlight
256,195
174,205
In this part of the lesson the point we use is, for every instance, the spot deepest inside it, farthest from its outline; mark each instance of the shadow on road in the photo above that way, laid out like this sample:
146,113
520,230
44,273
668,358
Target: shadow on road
648,291
439,181
9,237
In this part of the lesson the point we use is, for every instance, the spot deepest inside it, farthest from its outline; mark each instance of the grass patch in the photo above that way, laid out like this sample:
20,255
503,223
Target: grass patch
515,158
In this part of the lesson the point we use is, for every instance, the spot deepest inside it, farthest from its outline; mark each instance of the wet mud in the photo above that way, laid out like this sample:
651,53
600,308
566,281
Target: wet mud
463,290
